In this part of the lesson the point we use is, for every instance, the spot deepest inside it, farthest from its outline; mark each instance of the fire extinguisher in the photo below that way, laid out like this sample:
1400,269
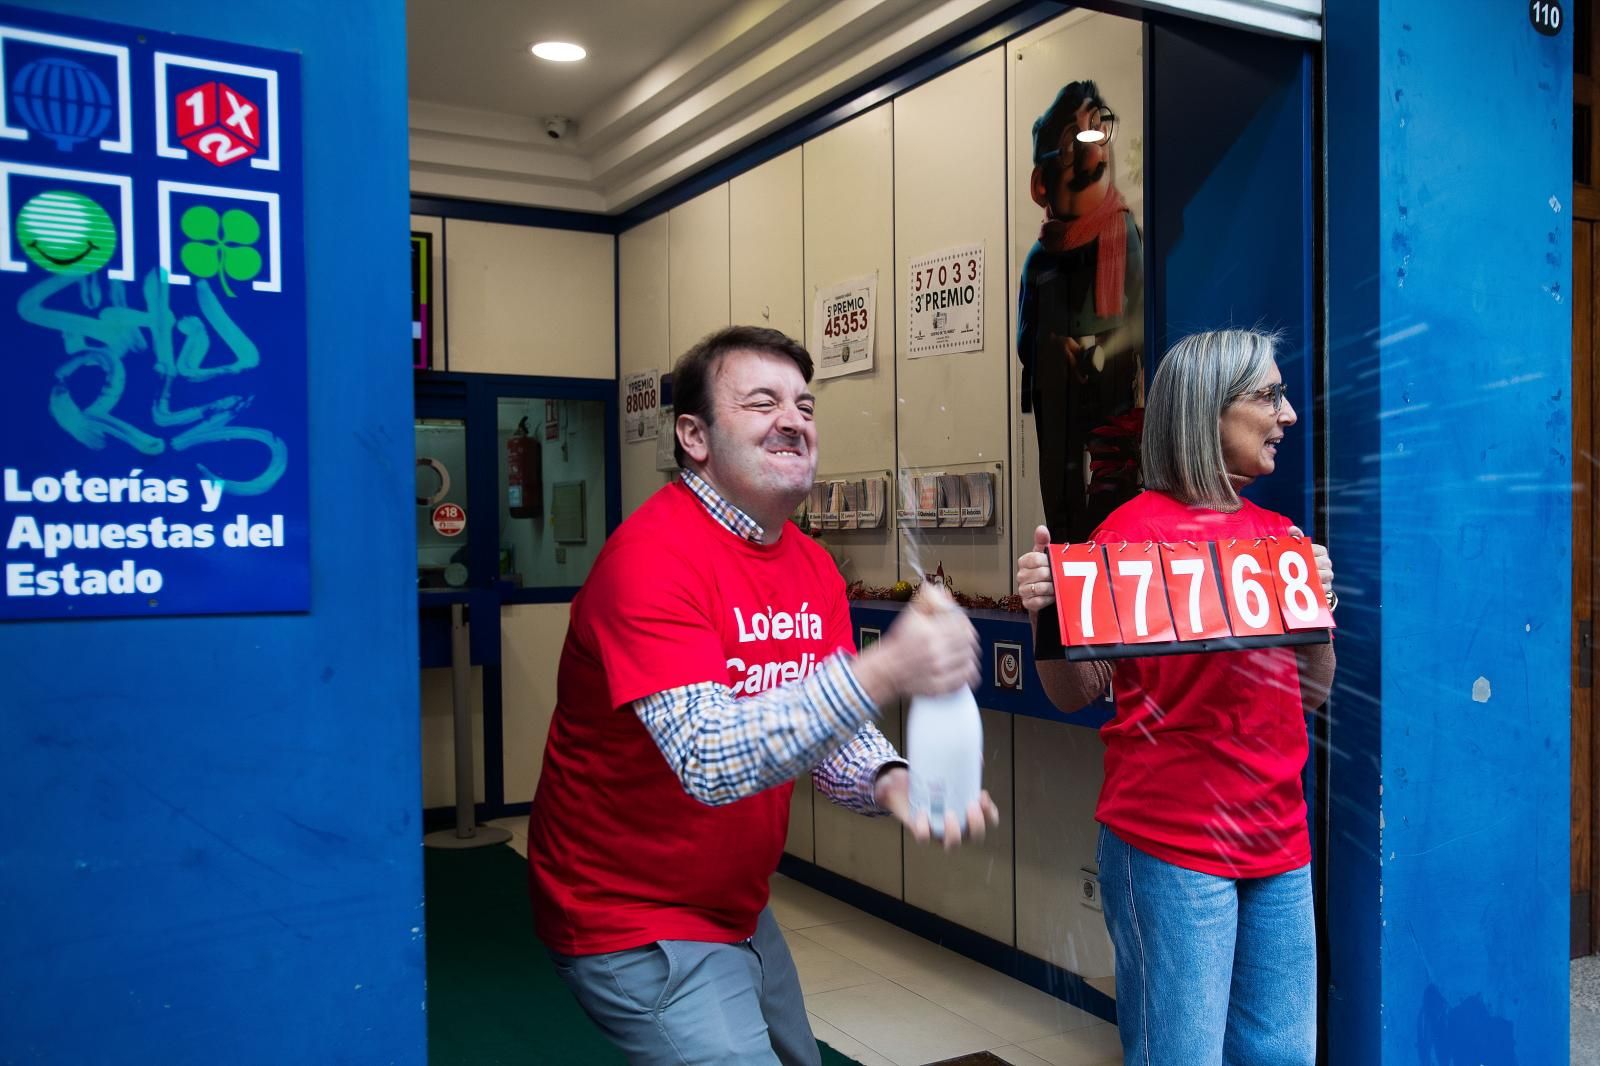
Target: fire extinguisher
524,478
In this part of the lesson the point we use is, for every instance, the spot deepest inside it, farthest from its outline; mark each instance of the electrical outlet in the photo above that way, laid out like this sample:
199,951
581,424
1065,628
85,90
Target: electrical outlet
1089,890
561,555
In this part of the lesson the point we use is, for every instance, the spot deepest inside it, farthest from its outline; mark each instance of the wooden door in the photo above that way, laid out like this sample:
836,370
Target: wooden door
1585,507
1585,900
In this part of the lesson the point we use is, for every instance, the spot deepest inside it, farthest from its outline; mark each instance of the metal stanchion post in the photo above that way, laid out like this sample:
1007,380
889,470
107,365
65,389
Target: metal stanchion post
467,833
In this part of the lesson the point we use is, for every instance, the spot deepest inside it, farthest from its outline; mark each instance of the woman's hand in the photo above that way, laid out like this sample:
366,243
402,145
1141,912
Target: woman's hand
1033,574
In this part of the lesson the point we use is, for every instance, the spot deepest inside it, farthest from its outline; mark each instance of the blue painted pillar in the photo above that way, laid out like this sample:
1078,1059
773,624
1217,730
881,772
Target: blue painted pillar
210,848
1448,185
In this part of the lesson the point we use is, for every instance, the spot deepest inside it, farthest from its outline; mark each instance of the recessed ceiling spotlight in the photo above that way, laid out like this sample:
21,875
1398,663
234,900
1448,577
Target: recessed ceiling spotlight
559,51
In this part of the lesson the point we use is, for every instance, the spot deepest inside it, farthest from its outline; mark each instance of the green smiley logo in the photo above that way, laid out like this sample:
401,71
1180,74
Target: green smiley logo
66,232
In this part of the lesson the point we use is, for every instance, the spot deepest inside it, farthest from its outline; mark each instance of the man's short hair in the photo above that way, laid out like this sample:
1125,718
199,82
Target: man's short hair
693,375
1048,127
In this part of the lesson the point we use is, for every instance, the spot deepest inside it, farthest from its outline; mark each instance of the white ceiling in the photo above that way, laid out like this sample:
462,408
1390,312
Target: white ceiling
475,54
669,87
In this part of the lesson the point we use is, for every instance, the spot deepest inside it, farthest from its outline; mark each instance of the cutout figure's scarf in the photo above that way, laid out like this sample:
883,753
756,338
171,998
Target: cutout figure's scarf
1105,224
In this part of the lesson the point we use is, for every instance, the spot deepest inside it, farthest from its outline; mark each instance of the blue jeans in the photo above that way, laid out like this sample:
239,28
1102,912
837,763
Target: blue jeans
1210,970
677,1002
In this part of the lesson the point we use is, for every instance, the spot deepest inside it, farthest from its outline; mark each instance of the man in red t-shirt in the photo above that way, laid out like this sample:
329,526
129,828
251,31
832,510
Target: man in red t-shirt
709,661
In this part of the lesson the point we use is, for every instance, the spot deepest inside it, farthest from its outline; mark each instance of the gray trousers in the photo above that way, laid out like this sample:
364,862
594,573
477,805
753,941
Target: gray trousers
683,1002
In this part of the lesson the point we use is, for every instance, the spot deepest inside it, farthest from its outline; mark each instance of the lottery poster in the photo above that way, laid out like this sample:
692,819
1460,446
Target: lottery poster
945,294
641,404
844,322
153,434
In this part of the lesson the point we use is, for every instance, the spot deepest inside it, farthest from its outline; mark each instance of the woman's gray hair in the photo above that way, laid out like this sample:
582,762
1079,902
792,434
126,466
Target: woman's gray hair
1199,377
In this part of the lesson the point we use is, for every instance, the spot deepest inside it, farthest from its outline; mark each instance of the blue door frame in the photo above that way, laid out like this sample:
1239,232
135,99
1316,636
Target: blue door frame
472,399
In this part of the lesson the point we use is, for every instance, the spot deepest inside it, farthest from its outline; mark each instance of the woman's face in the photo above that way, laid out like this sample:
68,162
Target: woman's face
1251,429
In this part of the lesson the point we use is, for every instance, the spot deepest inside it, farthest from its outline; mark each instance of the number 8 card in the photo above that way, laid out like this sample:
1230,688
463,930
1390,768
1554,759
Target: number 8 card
1300,593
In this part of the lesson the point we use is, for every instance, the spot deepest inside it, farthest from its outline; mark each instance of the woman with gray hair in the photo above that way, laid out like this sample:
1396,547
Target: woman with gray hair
1204,852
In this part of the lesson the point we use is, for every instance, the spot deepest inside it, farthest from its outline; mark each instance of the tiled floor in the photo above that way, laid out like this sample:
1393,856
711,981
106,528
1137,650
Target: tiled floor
888,998
1586,1011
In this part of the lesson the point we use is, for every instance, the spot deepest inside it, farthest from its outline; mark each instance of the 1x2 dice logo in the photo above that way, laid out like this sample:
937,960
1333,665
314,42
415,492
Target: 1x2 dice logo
218,123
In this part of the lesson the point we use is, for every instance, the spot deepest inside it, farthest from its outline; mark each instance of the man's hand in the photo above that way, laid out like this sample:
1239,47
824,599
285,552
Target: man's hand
931,649
893,793
1033,574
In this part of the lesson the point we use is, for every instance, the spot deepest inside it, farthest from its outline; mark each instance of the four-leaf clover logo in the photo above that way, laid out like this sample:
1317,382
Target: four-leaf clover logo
220,245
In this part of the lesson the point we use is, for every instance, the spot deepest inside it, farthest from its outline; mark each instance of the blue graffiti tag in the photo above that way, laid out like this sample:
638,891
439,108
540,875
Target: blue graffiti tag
101,341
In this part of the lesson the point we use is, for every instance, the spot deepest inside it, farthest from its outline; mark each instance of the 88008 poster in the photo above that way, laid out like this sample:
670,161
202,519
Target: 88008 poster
153,429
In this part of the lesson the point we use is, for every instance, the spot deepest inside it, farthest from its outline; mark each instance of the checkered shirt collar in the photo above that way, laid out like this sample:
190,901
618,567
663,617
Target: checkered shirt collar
727,515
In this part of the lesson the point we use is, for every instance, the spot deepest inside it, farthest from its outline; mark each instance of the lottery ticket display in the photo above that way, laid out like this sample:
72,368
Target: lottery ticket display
1120,600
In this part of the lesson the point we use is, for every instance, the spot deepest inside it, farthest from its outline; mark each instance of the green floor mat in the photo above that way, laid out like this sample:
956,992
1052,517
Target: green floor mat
493,997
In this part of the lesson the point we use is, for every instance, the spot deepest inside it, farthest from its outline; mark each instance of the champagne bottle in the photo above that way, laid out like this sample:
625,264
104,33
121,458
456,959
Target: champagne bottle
944,745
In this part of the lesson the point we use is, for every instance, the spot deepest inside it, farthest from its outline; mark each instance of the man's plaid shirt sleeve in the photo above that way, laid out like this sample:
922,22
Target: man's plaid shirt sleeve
723,748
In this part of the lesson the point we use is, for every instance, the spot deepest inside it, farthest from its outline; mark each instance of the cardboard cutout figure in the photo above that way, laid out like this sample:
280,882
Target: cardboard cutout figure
1080,319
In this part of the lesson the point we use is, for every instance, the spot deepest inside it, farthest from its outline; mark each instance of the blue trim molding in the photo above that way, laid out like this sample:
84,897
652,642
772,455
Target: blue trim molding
511,214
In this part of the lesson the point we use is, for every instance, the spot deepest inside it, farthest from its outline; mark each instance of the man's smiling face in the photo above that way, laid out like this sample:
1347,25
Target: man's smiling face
762,443
66,232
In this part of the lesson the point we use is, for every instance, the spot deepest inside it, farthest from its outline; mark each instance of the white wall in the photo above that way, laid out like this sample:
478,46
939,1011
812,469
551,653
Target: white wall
645,341
525,300
849,233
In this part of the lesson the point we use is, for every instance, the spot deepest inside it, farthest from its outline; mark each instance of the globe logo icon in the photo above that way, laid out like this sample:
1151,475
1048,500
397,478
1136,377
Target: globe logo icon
62,100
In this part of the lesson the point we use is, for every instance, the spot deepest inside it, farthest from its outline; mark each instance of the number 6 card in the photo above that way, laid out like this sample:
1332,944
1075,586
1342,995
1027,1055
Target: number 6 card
1247,583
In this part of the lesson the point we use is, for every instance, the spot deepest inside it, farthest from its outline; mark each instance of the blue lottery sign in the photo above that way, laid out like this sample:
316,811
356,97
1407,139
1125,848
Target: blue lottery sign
152,300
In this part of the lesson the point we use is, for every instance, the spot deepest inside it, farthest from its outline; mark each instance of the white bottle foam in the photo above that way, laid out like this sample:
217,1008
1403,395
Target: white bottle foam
944,745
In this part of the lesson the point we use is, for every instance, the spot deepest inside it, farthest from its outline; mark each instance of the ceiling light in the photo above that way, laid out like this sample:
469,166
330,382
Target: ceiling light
559,51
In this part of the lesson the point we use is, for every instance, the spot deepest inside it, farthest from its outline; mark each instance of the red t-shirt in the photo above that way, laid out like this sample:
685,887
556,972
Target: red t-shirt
1204,755
619,855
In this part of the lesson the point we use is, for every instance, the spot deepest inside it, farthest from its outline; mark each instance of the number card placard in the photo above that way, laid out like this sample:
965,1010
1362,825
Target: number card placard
1192,590
1248,587
1139,587
1301,598
1131,599
1083,595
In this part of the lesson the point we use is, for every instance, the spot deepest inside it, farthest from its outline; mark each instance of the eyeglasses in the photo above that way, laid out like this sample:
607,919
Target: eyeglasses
1099,126
1272,394
1096,126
